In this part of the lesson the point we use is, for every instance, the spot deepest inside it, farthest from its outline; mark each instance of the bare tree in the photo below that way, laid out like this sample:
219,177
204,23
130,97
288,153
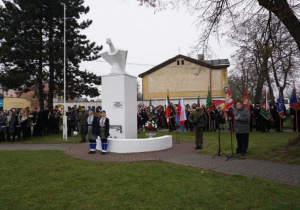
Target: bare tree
267,55
219,14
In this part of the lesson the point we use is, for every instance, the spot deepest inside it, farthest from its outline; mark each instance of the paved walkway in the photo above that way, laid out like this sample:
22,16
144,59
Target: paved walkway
182,153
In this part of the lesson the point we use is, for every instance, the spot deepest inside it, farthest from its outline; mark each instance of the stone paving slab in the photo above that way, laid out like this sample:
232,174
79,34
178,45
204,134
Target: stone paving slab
278,172
80,151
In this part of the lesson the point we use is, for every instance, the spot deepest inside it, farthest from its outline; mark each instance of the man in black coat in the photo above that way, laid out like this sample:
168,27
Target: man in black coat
71,121
34,119
45,120
257,116
293,113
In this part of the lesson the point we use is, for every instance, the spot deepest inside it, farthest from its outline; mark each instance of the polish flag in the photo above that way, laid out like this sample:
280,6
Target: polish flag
167,112
180,115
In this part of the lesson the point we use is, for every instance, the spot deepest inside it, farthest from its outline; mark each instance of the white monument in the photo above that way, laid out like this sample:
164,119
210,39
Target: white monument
116,58
119,99
119,95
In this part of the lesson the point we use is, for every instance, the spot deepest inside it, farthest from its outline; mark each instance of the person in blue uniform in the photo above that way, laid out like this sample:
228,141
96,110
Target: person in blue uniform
92,130
104,131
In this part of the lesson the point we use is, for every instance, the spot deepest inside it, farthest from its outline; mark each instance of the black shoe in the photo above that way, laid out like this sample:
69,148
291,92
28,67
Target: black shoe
103,153
82,141
243,153
92,152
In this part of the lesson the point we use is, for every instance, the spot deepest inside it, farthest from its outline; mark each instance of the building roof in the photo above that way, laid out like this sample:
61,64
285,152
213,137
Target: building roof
219,62
212,64
79,100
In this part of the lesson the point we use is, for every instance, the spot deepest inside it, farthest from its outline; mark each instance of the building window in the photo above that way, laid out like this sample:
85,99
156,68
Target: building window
178,63
182,62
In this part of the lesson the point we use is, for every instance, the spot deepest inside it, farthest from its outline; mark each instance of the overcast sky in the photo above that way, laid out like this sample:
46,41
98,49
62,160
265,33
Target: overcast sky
150,37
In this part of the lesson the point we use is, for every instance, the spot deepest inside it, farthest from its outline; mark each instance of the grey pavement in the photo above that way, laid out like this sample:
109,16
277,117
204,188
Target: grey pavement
277,172
184,154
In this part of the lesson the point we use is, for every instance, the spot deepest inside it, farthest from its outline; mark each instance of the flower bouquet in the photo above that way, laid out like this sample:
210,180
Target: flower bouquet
150,128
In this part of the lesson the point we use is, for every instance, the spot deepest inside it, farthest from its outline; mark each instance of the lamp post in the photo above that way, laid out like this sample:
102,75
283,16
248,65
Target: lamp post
65,136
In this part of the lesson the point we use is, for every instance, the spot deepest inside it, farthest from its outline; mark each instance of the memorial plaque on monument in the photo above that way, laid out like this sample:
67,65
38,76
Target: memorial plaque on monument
118,104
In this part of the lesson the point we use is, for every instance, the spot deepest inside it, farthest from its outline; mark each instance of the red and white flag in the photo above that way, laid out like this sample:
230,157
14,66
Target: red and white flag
229,101
182,116
167,112
246,101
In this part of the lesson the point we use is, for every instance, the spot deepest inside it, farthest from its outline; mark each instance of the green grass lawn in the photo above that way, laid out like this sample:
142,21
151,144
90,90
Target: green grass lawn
271,146
53,180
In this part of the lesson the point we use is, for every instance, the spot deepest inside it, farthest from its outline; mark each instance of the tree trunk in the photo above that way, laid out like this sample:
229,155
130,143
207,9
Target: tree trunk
283,11
51,66
259,88
40,73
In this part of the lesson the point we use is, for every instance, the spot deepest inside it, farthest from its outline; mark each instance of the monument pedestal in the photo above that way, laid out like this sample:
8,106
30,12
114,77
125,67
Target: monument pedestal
119,100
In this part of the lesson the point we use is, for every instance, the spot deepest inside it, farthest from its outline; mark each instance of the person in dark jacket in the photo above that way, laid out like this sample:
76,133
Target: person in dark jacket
295,123
45,120
242,127
92,130
256,113
104,131
54,119
39,123
81,118
71,121
34,119
2,125
12,125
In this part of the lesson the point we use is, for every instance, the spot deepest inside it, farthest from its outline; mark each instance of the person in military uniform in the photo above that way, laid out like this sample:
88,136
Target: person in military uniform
257,116
198,119
54,119
81,117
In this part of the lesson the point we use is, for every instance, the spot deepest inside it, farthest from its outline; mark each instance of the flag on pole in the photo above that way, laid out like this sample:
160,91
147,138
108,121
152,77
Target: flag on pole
265,109
180,115
229,101
246,101
167,112
280,106
293,100
209,105
198,100
150,111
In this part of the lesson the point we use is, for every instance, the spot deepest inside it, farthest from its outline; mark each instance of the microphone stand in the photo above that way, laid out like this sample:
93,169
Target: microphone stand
219,150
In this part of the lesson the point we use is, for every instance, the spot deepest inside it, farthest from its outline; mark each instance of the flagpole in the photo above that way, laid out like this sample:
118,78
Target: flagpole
296,120
65,118
166,108
209,112
280,122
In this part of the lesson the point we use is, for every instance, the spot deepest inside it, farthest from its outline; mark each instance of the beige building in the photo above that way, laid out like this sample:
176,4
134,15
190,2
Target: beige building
186,77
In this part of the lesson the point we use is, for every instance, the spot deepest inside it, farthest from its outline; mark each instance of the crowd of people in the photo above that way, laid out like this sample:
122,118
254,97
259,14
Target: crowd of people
16,125
218,118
